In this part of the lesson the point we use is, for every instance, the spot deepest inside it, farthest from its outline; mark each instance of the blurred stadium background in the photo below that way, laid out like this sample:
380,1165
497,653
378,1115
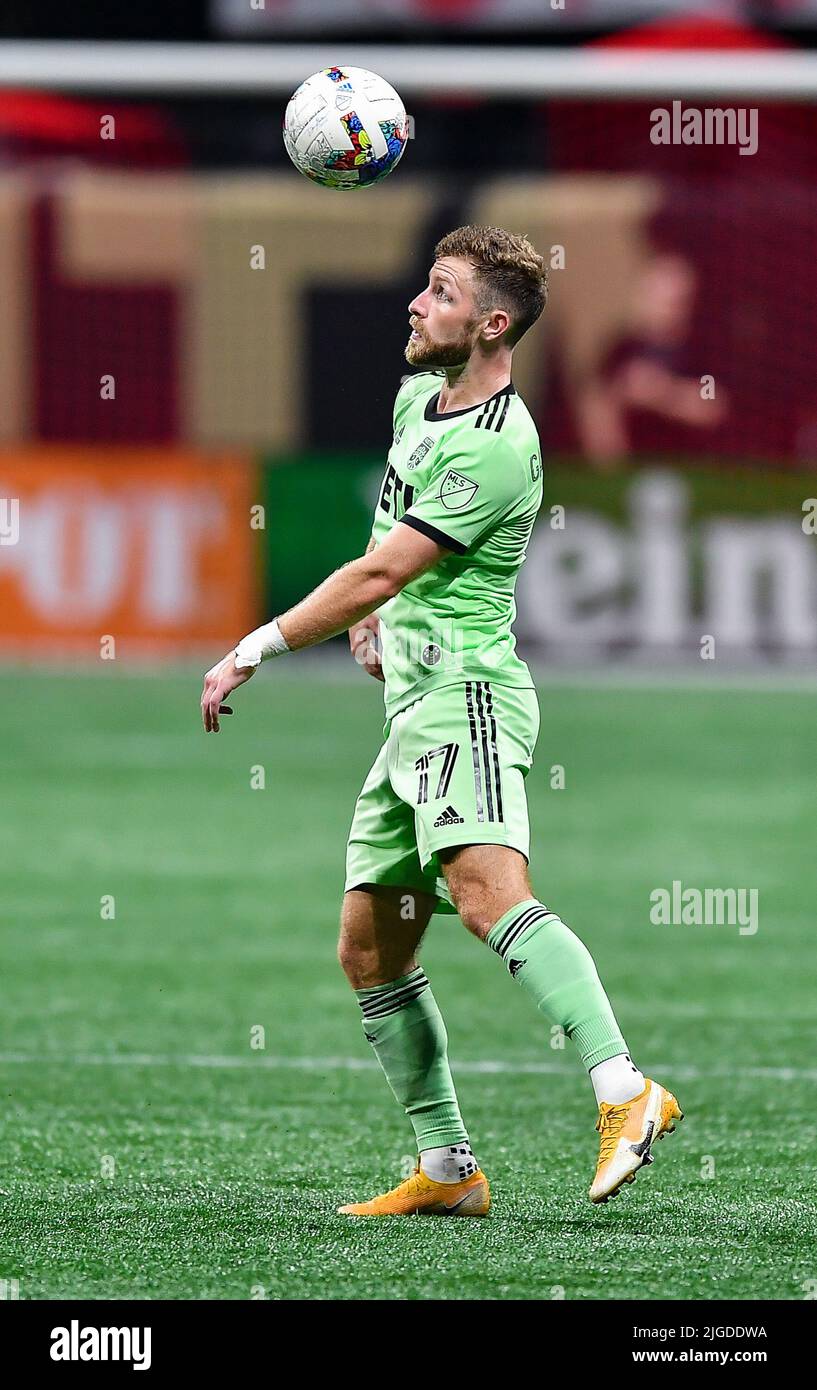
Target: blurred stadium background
189,330
199,352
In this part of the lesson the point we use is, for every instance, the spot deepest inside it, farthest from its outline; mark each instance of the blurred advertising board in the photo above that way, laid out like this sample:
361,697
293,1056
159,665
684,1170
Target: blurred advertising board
643,562
124,553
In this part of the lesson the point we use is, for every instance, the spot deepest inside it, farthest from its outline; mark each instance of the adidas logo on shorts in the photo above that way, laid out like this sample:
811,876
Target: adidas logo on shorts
448,817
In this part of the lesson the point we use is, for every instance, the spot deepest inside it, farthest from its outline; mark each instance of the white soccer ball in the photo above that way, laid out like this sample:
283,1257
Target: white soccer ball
345,128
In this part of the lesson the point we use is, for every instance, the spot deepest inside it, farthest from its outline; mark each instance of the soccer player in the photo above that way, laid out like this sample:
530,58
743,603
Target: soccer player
441,823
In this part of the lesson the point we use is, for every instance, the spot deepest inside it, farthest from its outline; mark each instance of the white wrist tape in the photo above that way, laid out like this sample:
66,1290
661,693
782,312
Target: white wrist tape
257,646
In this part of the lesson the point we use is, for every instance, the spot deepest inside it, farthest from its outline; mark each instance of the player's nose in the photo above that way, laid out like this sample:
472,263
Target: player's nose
417,305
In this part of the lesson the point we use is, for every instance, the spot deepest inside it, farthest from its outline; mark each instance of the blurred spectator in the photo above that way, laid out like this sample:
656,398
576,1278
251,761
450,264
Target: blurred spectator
648,372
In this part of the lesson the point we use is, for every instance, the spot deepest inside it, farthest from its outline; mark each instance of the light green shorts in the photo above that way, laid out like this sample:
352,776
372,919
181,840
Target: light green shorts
451,772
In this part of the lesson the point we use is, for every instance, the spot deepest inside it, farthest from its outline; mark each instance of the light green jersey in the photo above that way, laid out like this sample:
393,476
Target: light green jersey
472,480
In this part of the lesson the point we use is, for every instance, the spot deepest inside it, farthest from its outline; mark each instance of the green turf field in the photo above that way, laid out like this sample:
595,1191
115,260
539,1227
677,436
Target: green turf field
126,1043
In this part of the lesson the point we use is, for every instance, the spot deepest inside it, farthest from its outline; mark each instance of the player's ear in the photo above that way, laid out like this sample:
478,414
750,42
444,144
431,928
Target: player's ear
498,322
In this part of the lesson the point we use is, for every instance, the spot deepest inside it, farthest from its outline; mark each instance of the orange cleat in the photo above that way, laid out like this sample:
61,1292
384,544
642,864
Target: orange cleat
422,1196
628,1133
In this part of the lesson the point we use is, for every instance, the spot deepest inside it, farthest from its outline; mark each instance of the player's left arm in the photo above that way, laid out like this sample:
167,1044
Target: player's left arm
346,596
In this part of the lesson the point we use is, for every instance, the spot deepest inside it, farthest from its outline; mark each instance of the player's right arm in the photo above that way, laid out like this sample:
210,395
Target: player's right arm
363,638
343,600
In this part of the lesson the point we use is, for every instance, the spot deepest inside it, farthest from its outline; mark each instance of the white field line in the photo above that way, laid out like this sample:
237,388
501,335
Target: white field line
481,1067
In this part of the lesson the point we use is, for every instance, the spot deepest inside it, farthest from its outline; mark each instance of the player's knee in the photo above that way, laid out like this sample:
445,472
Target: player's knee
353,961
471,898
349,960
474,912
481,900
484,884
471,895
357,948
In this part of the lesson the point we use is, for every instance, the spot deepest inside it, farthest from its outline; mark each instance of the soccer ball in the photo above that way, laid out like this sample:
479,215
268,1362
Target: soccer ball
345,128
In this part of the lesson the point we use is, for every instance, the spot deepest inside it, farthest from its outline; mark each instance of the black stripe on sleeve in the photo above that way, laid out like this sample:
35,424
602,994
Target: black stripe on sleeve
426,529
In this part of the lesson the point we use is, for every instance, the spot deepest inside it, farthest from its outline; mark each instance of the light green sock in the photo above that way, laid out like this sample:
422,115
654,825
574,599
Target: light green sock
556,969
406,1030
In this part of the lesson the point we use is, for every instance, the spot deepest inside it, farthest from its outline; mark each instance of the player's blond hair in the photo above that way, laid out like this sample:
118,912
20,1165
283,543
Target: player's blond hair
510,273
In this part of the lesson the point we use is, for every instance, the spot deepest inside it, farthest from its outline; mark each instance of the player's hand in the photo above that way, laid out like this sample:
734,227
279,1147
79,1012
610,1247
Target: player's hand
219,681
363,642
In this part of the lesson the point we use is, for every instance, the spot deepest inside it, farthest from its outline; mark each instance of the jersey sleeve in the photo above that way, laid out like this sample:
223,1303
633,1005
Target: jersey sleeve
475,484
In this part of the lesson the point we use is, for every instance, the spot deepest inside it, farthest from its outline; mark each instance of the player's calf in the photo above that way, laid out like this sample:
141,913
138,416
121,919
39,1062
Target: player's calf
554,967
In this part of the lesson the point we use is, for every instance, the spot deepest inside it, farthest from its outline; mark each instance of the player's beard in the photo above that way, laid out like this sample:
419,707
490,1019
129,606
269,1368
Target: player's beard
428,353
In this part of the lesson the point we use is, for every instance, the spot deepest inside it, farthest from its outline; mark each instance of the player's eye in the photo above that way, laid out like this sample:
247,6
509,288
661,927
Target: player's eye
441,293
